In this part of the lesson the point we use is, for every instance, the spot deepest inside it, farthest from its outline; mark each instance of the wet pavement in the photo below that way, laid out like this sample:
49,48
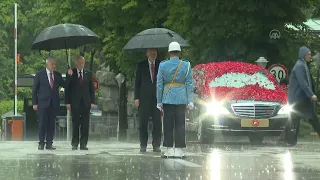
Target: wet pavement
113,160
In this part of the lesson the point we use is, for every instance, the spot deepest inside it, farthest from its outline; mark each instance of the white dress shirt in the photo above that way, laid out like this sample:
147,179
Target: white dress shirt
79,73
150,70
48,75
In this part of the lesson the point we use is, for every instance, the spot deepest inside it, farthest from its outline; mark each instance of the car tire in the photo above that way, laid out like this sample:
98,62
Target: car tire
205,136
256,139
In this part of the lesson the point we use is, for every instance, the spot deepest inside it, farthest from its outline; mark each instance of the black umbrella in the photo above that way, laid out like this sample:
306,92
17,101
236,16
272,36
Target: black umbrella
154,38
64,36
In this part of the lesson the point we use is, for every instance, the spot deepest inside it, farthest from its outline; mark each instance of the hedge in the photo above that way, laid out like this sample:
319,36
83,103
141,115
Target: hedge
7,105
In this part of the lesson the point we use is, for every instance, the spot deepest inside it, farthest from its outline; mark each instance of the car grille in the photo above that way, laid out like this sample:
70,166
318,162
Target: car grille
254,110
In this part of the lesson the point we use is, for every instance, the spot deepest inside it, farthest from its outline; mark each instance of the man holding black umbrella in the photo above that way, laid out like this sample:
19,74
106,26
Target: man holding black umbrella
145,99
80,99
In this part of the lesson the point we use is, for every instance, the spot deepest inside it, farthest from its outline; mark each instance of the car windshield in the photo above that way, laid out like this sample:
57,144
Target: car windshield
239,80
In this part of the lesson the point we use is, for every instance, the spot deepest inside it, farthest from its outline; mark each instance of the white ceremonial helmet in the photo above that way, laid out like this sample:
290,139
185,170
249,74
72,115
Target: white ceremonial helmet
174,46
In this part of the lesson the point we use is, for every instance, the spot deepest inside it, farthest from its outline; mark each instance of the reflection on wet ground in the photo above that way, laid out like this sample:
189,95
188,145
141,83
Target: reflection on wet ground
21,161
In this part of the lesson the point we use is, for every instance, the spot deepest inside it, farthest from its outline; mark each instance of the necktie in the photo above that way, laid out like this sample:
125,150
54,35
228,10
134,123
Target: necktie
80,77
51,80
152,71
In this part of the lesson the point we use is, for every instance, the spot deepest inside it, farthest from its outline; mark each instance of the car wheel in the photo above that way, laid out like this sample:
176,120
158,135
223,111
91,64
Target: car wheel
205,136
256,139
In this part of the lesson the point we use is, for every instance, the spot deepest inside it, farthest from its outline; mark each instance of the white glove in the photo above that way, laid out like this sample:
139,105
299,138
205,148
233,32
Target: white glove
190,105
160,106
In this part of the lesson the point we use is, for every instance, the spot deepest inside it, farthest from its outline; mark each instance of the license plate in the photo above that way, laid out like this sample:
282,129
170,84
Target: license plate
254,122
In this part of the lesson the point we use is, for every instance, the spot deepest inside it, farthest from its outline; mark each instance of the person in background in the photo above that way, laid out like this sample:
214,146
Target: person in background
46,101
301,97
174,94
80,99
145,99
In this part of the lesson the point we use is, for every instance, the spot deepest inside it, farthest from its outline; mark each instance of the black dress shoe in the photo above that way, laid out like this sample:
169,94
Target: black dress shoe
84,148
41,147
50,147
143,150
157,150
74,147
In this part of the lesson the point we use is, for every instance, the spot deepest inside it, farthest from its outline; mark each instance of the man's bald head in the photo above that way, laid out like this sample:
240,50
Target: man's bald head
152,54
80,62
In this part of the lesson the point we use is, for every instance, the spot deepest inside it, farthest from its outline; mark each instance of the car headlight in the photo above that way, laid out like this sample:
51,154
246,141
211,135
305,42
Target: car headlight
285,109
216,108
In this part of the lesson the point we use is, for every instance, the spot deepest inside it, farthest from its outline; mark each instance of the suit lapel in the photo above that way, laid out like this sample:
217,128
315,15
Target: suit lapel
46,76
75,75
156,67
147,70
85,75
55,79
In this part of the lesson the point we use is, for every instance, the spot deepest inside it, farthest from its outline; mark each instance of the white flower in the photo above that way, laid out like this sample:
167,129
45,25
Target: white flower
239,80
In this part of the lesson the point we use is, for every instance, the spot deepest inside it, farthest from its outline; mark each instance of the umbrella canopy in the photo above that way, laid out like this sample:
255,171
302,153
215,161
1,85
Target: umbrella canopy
64,36
154,38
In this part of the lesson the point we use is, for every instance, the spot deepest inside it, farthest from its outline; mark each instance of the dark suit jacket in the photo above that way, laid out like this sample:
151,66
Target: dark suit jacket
75,91
312,79
42,94
299,91
145,89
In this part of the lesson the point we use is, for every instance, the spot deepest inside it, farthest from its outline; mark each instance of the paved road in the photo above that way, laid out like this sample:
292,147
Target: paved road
113,160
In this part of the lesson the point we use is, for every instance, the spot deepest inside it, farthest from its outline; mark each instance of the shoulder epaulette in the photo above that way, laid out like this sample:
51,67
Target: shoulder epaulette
164,61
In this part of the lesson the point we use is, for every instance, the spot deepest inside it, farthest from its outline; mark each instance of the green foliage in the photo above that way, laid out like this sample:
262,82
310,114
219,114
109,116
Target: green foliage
305,129
216,30
30,24
7,106
238,30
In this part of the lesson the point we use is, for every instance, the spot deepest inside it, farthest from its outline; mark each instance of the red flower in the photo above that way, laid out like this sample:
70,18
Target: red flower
206,77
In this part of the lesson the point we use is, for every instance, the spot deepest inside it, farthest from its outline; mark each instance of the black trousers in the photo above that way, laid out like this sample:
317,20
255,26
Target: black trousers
145,112
294,122
174,125
47,124
80,123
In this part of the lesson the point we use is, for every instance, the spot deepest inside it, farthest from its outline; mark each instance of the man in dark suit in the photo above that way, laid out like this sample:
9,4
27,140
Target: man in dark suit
46,100
302,97
80,99
145,99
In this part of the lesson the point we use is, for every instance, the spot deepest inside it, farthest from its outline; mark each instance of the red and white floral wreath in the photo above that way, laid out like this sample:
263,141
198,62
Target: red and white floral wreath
214,80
